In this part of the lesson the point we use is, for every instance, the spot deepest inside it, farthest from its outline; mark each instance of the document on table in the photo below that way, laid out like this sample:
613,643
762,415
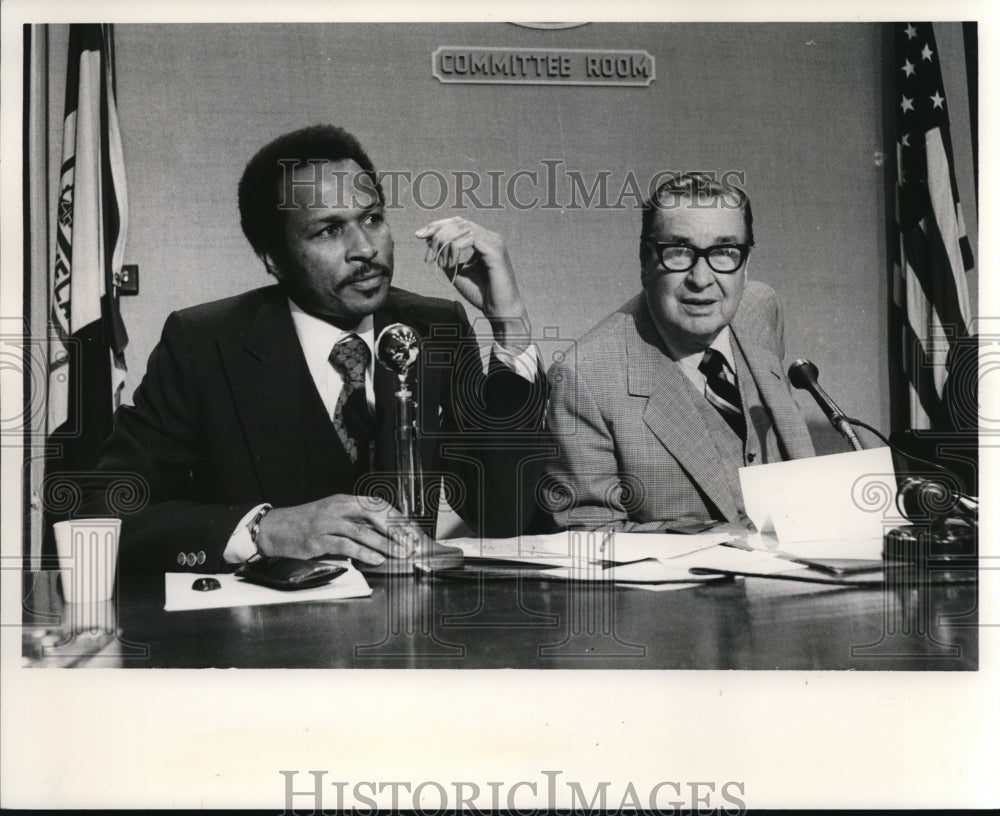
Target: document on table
645,560
237,592
556,549
564,548
841,497
625,547
822,551
733,559
860,549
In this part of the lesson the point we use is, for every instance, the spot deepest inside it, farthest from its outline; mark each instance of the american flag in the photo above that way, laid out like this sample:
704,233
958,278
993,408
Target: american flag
930,291
87,341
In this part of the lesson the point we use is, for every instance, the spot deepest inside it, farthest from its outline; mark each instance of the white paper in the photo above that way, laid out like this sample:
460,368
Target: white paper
645,558
643,572
181,597
841,496
659,587
733,559
860,548
566,548
623,547
647,574
553,550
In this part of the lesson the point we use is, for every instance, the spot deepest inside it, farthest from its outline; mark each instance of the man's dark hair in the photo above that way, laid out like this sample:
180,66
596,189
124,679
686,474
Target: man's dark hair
699,187
260,187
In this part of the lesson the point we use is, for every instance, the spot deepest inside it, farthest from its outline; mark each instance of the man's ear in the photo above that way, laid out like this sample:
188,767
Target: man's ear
645,257
271,265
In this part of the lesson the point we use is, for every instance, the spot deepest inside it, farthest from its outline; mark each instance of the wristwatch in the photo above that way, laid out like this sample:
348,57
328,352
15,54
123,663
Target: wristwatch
254,525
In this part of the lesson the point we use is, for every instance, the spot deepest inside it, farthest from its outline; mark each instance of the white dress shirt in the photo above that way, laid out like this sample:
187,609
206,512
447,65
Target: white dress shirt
317,339
689,363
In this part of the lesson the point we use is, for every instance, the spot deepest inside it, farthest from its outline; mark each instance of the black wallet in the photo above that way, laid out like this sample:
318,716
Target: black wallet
283,572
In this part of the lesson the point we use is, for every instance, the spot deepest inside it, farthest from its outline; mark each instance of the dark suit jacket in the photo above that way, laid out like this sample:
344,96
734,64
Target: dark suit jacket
634,451
227,417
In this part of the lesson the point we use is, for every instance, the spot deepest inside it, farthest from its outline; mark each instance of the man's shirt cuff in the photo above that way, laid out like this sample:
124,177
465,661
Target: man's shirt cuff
524,363
240,547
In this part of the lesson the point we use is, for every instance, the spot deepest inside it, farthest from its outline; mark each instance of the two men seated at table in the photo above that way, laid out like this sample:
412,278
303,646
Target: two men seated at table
263,422
668,396
262,417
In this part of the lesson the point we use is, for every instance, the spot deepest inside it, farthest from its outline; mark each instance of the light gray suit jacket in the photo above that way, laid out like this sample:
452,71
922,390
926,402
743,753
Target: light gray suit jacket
634,453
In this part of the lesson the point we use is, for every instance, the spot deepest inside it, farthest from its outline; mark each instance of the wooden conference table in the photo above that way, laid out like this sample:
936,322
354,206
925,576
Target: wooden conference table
898,623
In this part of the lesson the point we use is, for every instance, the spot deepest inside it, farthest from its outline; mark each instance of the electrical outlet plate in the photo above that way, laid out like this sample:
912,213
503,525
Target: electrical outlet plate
128,281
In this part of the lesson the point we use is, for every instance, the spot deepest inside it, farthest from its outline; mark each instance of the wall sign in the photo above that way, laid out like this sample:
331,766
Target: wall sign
482,65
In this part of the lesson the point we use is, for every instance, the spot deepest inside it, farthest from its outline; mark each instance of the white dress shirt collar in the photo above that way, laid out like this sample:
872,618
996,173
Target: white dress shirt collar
689,362
317,338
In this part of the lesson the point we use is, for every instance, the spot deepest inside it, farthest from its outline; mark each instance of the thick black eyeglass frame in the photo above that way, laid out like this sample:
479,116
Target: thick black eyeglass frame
658,247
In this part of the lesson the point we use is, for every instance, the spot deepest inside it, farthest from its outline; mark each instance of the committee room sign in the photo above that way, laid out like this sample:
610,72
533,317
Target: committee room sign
542,66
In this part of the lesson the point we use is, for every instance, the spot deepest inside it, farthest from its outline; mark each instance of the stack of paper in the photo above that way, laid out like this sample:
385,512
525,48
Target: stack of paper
647,560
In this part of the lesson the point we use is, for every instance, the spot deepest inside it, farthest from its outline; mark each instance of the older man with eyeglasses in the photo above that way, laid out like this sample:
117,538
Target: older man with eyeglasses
670,395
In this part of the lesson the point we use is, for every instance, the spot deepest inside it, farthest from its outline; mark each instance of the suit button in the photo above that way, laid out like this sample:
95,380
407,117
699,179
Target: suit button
181,560
191,559
200,558
751,457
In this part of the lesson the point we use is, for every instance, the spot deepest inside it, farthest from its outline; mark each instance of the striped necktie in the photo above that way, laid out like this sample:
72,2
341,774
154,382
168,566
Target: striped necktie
721,390
351,419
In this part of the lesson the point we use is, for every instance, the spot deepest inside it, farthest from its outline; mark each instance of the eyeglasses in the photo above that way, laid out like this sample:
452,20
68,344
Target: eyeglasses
723,258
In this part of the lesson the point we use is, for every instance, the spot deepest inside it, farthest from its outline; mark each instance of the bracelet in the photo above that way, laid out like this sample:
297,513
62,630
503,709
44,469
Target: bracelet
255,524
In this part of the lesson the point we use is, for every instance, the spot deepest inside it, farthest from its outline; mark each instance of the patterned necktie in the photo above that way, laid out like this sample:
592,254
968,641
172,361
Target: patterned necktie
721,390
351,418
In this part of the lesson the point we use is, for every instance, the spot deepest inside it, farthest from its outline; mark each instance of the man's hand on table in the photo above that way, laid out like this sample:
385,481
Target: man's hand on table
358,527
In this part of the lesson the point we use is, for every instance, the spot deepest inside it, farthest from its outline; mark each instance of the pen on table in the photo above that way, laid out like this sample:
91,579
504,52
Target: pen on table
605,564
737,544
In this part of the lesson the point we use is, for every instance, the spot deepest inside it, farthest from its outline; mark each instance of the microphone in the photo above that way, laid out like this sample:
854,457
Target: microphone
803,374
944,527
397,349
922,498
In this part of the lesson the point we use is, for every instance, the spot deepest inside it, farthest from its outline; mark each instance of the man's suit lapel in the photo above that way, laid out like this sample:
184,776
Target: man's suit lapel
297,452
672,415
294,447
765,368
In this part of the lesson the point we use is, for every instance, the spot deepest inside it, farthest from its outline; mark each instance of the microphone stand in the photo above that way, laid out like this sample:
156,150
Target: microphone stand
398,349
847,432
409,471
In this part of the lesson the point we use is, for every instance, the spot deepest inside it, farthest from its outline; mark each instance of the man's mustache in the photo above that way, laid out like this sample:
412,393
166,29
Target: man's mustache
365,272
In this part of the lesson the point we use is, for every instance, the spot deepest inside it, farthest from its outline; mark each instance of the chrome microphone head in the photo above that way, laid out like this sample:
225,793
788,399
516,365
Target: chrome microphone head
397,348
